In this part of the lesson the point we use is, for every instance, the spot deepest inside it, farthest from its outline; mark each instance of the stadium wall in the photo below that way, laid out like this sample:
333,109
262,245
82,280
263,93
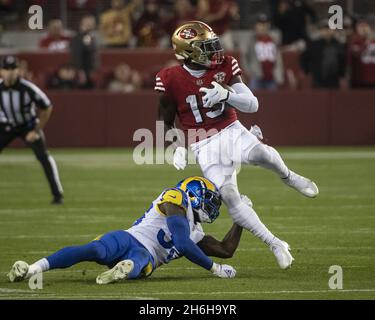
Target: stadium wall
293,118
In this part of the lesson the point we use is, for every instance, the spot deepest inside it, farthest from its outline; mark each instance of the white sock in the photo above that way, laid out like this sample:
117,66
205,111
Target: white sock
37,267
247,218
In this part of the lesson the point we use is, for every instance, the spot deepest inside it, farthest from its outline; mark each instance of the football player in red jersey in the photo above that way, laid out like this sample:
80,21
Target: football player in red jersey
205,93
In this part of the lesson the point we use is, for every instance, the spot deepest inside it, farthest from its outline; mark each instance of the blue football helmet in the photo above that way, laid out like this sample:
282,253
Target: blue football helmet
204,197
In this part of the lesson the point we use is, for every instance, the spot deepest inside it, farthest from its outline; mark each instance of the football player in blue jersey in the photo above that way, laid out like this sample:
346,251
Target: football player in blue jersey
169,229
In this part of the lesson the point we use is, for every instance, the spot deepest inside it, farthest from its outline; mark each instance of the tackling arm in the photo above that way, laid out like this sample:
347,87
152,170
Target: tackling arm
179,227
222,249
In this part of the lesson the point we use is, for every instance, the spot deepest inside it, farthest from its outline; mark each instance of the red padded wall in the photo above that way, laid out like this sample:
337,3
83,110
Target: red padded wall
311,118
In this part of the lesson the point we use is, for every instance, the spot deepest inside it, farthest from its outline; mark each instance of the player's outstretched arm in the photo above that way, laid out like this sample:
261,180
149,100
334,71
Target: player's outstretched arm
179,227
222,249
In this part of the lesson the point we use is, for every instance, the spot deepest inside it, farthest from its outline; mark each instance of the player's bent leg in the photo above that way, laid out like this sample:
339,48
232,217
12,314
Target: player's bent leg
134,263
268,157
245,216
69,256
143,262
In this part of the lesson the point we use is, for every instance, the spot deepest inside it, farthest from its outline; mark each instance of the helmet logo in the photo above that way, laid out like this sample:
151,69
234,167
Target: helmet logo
188,33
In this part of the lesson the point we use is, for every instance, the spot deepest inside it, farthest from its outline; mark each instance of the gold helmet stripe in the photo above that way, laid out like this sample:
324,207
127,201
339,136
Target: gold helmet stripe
207,182
200,22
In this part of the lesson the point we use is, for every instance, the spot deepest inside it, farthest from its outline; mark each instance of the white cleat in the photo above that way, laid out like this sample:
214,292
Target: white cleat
119,272
305,186
18,271
281,251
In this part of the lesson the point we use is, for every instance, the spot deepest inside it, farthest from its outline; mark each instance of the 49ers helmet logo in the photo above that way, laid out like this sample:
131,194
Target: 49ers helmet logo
188,33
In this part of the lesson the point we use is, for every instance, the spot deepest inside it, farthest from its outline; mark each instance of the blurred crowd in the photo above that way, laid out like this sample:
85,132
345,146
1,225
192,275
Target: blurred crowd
329,58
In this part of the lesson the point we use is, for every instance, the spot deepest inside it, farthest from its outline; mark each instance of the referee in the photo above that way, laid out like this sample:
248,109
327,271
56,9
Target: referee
19,119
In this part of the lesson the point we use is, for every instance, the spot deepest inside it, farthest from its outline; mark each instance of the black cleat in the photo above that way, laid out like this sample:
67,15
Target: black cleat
57,200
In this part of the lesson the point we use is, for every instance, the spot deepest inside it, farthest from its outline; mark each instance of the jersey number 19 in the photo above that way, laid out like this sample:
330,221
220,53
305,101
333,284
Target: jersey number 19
192,100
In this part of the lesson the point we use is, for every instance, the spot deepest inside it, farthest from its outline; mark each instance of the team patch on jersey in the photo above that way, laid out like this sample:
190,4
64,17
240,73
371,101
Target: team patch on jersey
220,77
175,196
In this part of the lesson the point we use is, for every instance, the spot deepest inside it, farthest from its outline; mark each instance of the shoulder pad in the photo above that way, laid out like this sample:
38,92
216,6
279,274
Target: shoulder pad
175,196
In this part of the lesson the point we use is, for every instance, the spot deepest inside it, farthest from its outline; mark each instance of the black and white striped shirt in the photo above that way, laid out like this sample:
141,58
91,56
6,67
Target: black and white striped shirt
18,103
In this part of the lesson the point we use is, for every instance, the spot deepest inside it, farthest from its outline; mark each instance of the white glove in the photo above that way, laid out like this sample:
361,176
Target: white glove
214,95
179,158
223,270
246,200
255,130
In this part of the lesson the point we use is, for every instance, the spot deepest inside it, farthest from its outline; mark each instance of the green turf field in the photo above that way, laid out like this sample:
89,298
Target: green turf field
105,191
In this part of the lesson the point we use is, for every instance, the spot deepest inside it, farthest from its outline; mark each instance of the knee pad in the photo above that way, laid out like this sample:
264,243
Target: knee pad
230,195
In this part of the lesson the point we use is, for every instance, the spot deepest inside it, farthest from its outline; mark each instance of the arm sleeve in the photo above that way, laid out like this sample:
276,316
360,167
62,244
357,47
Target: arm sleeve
179,228
243,99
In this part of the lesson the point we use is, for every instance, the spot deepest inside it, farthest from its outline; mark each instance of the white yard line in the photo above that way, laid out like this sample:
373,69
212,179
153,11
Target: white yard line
91,236
314,248
331,155
7,290
125,159
62,216
257,292
33,294
187,293
61,236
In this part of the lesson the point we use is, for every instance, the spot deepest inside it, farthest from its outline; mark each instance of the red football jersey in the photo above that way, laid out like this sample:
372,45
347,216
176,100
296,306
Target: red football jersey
183,89
361,59
266,53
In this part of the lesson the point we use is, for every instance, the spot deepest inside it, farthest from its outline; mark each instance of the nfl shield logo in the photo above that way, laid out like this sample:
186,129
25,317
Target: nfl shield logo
220,76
